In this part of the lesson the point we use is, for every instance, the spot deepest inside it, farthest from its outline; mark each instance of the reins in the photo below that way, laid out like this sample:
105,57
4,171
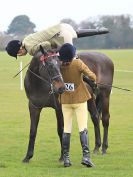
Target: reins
21,70
120,88
41,78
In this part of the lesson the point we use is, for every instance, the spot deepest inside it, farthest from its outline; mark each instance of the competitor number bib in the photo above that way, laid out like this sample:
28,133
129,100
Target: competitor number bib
69,86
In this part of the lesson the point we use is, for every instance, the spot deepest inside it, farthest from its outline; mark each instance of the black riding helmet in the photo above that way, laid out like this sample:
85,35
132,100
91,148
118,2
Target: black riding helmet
67,52
13,47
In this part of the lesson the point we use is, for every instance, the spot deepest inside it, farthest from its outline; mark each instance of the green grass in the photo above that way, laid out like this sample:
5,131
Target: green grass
14,129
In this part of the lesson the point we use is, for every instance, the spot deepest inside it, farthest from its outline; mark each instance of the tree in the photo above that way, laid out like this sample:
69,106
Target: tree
21,25
90,23
4,39
120,30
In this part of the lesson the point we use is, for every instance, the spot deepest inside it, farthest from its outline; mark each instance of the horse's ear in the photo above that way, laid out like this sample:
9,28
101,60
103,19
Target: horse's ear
44,51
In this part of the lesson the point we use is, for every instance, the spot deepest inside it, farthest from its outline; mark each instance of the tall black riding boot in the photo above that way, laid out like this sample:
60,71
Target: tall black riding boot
85,149
66,146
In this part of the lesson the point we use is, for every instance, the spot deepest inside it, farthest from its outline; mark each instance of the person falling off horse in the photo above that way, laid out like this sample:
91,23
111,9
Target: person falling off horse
50,38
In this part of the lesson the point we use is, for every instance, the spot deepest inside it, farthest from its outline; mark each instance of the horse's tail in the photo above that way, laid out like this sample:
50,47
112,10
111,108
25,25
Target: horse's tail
99,103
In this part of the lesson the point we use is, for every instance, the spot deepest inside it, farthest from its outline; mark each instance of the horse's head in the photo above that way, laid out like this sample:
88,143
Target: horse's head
49,70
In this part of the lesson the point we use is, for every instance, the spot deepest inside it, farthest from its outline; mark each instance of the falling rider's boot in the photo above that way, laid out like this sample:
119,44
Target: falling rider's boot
66,146
85,149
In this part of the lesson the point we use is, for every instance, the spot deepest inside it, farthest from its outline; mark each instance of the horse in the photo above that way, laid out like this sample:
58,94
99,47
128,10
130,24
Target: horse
43,84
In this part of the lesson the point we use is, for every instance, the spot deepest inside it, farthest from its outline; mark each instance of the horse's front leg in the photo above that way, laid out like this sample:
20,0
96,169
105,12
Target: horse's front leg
34,117
96,122
60,127
105,122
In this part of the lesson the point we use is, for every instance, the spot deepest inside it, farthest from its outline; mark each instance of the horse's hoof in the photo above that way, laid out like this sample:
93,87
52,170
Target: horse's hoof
25,160
103,152
96,151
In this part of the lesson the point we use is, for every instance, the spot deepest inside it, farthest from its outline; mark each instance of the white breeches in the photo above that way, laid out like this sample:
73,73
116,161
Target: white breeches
81,112
67,32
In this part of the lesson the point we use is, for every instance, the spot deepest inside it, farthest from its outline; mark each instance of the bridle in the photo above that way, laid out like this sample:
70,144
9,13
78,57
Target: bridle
46,65
50,79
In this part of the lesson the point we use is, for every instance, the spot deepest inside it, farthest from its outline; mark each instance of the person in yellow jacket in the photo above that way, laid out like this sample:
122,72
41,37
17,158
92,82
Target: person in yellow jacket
50,38
74,100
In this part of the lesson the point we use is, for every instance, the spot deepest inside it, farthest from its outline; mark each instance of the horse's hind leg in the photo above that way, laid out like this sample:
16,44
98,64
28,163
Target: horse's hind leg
34,117
96,122
105,122
60,127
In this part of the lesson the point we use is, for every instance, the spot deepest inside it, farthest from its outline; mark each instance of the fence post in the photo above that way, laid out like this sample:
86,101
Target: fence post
21,76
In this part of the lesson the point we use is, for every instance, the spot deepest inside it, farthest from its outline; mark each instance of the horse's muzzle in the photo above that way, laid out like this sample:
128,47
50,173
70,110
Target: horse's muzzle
61,90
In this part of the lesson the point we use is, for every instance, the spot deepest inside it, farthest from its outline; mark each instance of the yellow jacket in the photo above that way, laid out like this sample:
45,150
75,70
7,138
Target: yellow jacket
48,38
73,74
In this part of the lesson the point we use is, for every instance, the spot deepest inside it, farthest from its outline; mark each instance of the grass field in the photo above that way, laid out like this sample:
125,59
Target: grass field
14,129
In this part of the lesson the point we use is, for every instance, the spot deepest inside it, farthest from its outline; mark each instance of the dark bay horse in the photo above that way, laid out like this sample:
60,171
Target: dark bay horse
43,83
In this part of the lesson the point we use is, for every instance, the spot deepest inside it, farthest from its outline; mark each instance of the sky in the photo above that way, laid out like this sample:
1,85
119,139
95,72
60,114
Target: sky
45,13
